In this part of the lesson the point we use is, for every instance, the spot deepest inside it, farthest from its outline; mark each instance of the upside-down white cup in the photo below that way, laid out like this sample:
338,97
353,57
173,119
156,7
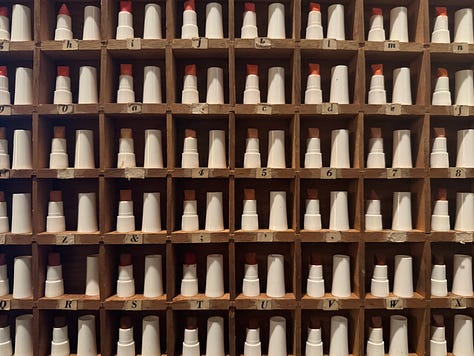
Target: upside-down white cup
402,149
151,219
86,213
24,345
276,276
91,29
215,276
462,275
214,27
339,92
152,22
339,213
4,156
276,21
215,85
340,149
22,278
276,85
215,336
217,154
84,153
277,337
153,149
214,212
152,84
23,86
22,150
21,23
92,276
465,147
398,336
153,282
464,212
401,93
21,213
336,22
4,223
278,220
151,345
462,336
464,87
401,214
339,341
88,93
276,149
86,336
403,276
341,276
399,24
463,26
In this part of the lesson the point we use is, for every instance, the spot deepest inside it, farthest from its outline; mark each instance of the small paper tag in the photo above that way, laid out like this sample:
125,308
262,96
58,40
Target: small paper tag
133,239
397,236
265,236
199,304
330,304
65,108
203,237
460,48
132,305
138,173
391,46
329,43
263,42
66,173
69,45
5,110
460,110
457,303
200,42
333,236
68,239
4,45
263,109
393,109
394,173
5,173
134,43
394,303
264,304
457,172
67,304
463,236
134,108
200,173
329,109
263,173
199,109
5,304
3,239
328,173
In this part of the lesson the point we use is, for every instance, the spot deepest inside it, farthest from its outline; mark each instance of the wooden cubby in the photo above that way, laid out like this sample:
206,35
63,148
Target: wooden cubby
294,53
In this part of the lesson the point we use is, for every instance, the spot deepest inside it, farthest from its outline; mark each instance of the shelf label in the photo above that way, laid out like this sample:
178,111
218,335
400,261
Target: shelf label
391,46
65,108
463,236
134,43
200,173
457,303
265,236
330,304
263,109
5,304
457,172
133,239
460,47
329,109
329,43
5,110
138,173
203,237
3,239
263,42
394,303
66,173
134,108
67,304
328,173
68,239
460,110
70,45
5,173
199,109
394,173
132,305
333,236
264,304
263,173
393,109
200,42
397,236
4,45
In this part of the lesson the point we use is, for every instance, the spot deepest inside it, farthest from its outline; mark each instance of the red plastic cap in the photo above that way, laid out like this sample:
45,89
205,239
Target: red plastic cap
375,132
191,323
442,72
379,259
312,193
126,132
314,69
55,195
62,71
125,259
54,259
253,323
189,5
313,132
437,320
63,10
249,6
125,322
376,322
376,11
249,194
252,69
377,69
250,258
314,322
314,6
3,133
4,71
2,196
4,320
59,131
3,11
439,132
126,195
252,132
190,133
126,69
438,259
189,195
190,258
441,11
316,259
60,321
126,6
190,69
442,194
3,259
373,195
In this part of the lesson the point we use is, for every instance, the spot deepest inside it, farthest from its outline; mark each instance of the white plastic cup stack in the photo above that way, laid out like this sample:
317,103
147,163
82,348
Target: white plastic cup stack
214,22
252,91
339,340
339,92
440,29
439,283
401,93
376,29
4,24
126,154
398,336
190,94
249,21
5,98
189,29
403,276
63,24
275,276
314,29
87,213
86,336
441,94
151,219
440,217
125,217
84,155
125,21
4,156
21,214
377,93
464,87
58,158
341,276
313,93
125,282
24,335
62,94
125,93
215,276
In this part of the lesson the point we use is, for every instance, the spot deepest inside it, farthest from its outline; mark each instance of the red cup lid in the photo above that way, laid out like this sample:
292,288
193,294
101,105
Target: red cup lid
190,69
442,72
249,6
4,11
126,6
54,259
126,69
252,69
189,5
376,11
62,71
4,71
125,259
377,69
63,10
313,6
314,69
441,11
